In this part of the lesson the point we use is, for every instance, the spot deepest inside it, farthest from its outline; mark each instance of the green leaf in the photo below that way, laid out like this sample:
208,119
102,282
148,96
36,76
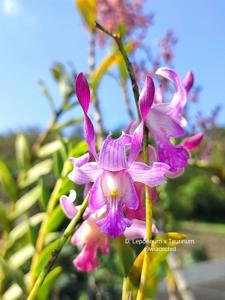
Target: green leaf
67,185
65,84
22,228
26,202
14,292
126,254
135,271
40,169
50,148
111,60
57,164
7,182
21,256
44,257
88,11
33,230
123,71
48,95
14,274
4,222
45,194
23,155
61,126
46,287
55,219
114,58
79,149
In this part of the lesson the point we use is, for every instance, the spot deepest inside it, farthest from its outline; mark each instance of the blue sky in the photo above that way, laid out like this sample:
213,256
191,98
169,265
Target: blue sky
36,34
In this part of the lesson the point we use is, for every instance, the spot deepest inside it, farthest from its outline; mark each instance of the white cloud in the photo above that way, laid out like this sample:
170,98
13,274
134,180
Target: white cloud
11,7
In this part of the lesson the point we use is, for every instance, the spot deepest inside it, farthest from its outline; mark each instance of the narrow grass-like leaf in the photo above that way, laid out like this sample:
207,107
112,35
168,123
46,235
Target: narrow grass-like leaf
12,273
21,256
23,155
126,254
55,219
26,202
7,181
45,289
33,175
44,257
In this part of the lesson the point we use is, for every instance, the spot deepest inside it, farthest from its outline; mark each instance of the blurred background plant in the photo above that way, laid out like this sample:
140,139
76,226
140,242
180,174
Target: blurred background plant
34,165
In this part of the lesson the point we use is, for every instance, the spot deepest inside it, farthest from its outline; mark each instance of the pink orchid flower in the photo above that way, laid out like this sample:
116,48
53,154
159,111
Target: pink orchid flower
88,237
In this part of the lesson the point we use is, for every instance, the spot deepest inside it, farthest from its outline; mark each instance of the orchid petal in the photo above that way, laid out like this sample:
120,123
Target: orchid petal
138,213
175,174
161,125
146,97
188,81
89,135
114,223
131,127
154,229
136,143
175,107
87,188
86,261
104,244
96,199
112,156
131,198
83,92
158,95
136,230
150,175
85,173
193,141
83,95
174,156
67,205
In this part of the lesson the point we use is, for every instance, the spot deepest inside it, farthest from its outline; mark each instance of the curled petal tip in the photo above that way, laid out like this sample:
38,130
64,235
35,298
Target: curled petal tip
188,81
193,141
146,96
168,73
83,91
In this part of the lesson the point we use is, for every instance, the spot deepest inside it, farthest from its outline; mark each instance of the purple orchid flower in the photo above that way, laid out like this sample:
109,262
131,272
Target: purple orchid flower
166,121
113,172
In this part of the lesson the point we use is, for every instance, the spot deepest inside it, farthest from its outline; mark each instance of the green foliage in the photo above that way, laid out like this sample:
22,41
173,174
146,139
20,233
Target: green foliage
45,290
196,196
8,183
13,274
125,253
23,155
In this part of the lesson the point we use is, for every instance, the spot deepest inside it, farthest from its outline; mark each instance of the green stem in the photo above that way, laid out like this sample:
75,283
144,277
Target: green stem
148,203
129,66
55,253
148,208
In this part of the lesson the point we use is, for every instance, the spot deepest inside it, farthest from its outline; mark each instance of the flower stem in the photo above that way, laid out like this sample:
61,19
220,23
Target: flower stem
130,70
148,203
55,253
148,208
146,262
